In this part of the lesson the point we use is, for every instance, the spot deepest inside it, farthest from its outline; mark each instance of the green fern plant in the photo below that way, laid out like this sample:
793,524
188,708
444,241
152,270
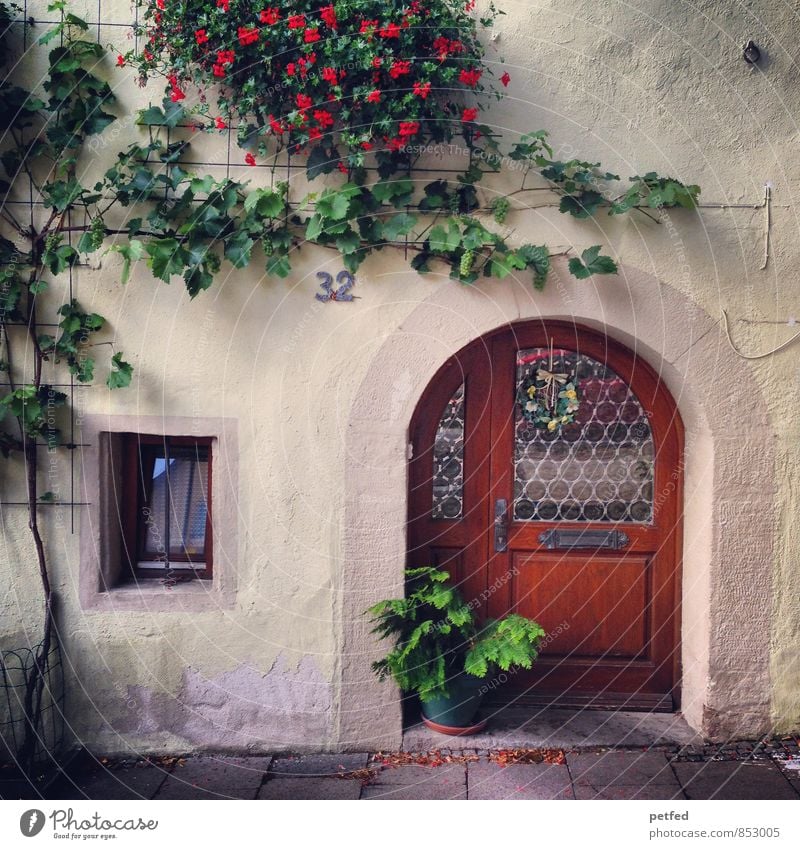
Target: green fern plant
436,637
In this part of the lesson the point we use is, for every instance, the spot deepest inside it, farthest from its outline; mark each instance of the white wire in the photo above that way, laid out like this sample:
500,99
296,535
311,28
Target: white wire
754,356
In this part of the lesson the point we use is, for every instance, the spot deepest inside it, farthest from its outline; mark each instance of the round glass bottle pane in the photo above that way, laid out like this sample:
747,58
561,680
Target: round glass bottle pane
597,469
448,460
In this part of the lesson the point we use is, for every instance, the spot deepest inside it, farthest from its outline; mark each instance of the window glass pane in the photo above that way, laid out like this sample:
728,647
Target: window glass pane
185,478
448,460
597,469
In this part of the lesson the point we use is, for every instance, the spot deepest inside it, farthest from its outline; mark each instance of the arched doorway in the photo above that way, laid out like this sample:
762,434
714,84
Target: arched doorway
579,528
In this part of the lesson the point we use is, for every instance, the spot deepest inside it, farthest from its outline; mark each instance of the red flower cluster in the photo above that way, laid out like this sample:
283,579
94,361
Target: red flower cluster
303,101
200,36
312,35
374,96
297,21
443,47
422,89
225,5
220,124
390,31
470,77
224,57
323,118
250,159
469,115
270,16
247,35
368,26
328,15
399,68
505,79
177,93
120,61
409,128
330,75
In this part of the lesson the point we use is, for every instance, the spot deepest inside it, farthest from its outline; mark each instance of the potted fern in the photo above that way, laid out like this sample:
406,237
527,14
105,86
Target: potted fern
442,654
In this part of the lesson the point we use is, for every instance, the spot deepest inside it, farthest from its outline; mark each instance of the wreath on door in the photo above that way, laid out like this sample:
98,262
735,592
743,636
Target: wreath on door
549,399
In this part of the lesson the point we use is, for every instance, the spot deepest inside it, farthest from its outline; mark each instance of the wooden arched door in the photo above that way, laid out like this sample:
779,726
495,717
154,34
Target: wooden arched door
579,529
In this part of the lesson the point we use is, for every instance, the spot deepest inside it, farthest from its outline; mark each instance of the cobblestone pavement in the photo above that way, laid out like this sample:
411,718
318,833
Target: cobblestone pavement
755,770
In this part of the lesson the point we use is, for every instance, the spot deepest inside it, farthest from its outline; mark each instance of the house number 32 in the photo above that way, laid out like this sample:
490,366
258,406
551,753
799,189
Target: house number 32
341,292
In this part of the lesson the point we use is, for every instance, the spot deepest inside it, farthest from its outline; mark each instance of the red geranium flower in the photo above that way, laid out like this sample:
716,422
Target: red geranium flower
250,159
120,61
328,14
270,16
225,57
297,21
422,89
225,5
409,128
176,95
247,35
376,61
505,79
304,101
314,133
200,36
219,70
469,115
330,75
470,77
396,144
368,26
323,118
291,68
275,126
390,31
374,96
160,4
220,124
342,167
366,145
311,35
399,68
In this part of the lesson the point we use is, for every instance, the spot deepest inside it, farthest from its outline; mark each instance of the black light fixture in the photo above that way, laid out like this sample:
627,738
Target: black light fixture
751,53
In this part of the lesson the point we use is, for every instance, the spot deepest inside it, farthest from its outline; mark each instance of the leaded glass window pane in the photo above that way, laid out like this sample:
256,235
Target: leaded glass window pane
448,460
597,469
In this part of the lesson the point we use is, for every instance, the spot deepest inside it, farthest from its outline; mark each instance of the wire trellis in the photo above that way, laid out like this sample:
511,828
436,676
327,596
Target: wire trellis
31,742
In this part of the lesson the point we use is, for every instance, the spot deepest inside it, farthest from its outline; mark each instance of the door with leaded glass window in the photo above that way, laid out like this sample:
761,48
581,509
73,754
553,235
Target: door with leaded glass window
577,527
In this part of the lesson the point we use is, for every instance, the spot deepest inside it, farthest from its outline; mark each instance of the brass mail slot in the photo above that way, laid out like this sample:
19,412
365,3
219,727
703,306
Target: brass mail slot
579,538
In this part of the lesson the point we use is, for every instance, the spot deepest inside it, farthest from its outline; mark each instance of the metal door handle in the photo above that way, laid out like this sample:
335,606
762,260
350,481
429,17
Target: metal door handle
500,525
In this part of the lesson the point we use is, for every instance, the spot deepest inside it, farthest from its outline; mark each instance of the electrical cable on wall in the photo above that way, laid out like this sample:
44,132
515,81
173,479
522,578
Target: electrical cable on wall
755,356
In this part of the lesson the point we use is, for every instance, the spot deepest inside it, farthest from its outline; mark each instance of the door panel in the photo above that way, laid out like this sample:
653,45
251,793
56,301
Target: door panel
609,620
605,588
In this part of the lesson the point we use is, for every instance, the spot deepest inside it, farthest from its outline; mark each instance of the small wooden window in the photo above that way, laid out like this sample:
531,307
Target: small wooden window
167,506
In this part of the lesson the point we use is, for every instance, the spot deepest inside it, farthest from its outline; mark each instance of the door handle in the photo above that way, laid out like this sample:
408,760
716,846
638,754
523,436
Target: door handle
500,525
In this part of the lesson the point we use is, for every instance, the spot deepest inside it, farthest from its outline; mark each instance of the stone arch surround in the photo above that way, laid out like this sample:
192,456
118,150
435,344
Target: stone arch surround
729,490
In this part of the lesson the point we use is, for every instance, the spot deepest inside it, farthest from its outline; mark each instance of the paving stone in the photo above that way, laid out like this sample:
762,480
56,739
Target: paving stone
611,768
629,791
310,787
132,782
435,790
208,777
319,765
518,781
731,780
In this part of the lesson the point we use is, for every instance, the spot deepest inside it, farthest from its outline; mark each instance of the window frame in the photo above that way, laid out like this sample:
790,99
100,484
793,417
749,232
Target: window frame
133,500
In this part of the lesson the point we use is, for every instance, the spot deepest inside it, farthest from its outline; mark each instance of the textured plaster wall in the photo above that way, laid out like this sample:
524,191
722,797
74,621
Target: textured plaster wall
322,394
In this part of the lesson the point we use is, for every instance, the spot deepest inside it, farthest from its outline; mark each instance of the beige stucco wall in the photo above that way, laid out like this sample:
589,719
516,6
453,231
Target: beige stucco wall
322,395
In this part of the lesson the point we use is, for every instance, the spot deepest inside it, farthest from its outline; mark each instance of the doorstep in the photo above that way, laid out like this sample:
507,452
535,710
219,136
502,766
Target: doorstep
531,728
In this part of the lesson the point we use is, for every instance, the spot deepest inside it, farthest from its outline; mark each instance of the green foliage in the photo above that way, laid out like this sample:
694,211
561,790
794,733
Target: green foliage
436,636
591,262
